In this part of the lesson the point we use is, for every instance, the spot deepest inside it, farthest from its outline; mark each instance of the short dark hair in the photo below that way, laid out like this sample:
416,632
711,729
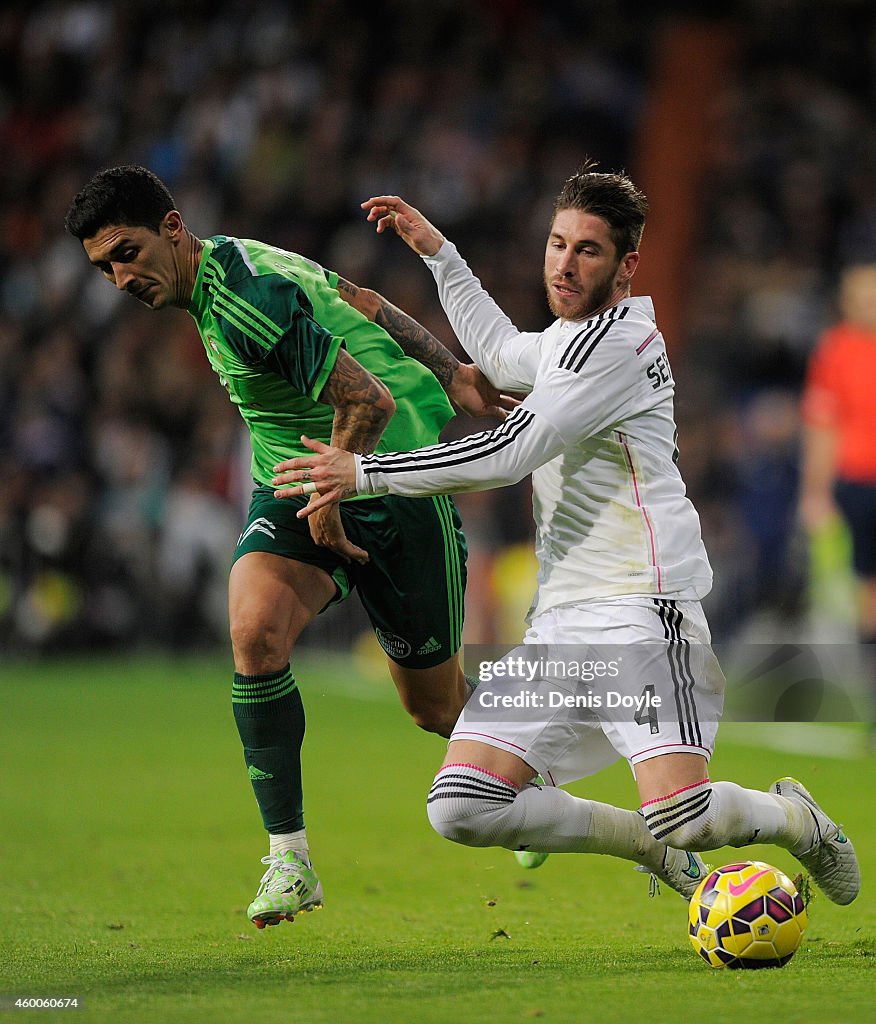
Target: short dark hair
128,195
613,197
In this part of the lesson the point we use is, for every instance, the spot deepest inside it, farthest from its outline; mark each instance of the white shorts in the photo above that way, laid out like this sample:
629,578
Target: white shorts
597,681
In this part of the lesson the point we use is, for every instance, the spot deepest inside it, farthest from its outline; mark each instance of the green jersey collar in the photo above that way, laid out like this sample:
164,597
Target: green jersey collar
198,303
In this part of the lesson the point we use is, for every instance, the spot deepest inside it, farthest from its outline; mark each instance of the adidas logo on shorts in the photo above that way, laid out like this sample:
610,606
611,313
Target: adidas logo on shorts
430,646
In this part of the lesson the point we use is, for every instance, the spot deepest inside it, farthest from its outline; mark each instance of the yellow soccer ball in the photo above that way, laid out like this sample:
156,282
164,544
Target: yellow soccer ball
746,915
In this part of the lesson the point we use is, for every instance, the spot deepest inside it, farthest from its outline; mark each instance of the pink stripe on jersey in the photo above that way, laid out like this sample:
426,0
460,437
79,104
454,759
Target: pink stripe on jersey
645,516
478,768
647,341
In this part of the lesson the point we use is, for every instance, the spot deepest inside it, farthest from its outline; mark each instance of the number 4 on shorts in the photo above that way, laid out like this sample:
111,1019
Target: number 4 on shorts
646,713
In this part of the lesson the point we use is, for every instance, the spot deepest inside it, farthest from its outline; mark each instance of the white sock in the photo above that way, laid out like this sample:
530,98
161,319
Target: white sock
477,808
285,841
709,815
558,822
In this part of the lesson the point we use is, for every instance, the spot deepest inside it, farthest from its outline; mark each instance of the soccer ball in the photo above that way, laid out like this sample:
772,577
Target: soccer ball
746,915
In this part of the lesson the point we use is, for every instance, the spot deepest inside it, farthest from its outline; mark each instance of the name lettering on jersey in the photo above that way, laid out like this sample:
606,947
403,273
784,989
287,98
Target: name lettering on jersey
659,372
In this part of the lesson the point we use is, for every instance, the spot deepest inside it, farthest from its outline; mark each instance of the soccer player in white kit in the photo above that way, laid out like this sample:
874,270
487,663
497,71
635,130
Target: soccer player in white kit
620,555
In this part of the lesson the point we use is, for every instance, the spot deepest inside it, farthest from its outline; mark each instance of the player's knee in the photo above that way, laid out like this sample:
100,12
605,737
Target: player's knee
435,715
684,820
433,697
458,811
425,717
456,826
257,645
440,720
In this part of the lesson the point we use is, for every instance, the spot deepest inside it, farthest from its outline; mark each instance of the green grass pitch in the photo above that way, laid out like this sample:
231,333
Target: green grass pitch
130,846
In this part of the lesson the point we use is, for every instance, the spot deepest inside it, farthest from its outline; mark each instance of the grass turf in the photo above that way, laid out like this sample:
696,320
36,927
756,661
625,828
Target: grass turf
130,846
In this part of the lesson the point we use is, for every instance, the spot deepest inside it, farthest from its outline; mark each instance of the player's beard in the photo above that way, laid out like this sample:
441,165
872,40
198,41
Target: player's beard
597,297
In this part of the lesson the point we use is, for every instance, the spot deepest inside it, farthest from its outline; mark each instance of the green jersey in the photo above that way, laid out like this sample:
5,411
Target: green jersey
272,323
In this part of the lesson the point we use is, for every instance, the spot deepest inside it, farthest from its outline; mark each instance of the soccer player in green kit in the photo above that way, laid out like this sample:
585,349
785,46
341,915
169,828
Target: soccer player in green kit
299,352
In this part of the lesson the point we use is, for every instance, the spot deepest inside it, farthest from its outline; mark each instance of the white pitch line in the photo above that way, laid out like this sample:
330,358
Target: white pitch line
821,739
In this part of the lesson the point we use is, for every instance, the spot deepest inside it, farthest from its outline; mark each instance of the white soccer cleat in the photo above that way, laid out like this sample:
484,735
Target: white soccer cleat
830,858
680,870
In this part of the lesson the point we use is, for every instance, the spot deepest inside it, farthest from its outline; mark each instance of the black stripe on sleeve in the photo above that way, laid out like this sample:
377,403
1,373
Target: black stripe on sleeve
455,453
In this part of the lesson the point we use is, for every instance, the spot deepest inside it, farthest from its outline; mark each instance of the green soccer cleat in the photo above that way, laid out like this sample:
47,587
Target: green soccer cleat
287,888
830,858
532,858
680,870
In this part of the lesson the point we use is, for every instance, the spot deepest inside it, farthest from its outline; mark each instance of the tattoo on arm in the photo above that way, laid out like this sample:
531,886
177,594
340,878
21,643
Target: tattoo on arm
413,339
362,299
363,406
418,343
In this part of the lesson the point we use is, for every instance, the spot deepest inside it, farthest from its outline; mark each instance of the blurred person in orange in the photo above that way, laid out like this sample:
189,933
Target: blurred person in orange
839,443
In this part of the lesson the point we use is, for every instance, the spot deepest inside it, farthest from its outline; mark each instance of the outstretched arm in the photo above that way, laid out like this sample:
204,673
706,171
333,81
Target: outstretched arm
465,384
566,408
479,462
507,357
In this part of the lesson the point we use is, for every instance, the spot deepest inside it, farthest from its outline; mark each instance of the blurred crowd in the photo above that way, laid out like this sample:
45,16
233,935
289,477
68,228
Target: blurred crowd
790,202
124,467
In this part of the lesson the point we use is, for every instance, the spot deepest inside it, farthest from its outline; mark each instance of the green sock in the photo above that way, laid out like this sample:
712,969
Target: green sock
270,719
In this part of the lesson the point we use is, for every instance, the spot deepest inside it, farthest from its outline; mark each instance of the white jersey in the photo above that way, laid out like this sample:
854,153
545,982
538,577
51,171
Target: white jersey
597,433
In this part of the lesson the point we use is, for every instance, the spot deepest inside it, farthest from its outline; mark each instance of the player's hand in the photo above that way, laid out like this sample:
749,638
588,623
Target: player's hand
329,473
471,392
327,530
409,224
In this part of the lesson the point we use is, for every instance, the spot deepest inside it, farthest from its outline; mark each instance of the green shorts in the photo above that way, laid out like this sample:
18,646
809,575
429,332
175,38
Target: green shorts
412,588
